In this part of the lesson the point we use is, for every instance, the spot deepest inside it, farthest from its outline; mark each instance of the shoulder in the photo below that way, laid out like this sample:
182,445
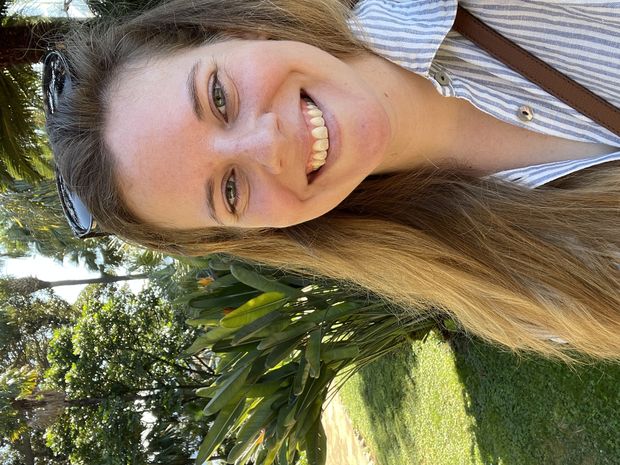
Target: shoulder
538,175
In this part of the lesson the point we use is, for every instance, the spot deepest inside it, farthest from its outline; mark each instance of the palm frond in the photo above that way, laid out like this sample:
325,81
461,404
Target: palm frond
23,152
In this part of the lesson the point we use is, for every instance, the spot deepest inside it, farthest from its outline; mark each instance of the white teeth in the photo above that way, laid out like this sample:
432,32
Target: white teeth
320,134
320,145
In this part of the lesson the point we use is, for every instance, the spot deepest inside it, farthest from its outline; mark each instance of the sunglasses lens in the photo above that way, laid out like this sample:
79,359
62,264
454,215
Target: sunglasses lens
78,216
56,81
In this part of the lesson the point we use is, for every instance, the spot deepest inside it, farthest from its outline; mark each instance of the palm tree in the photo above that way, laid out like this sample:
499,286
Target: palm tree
23,152
24,41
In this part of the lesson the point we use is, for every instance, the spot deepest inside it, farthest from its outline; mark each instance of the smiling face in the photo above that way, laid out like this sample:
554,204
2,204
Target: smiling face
225,134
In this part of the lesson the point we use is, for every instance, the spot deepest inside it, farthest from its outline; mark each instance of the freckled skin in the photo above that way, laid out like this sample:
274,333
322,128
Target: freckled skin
165,154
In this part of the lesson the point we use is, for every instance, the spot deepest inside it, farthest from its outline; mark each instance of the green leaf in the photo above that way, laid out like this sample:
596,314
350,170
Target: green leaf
279,373
265,389
223,281
199,344
332,313
254,309
301,376
231,298
272,450
258,281
313,353
286,420
202,322
282,454
207,391
227,391
277,327
268,322
279,353
219,263
316,444
339,353
226,346
295,331
258,419
218,431
206,340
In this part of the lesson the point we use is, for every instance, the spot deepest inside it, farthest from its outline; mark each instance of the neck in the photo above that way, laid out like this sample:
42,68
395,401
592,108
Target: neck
426,127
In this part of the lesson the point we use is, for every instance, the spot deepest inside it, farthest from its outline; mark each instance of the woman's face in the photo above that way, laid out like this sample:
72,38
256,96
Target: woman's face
223,134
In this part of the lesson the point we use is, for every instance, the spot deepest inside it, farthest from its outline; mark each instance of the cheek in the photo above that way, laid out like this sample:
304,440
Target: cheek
275,206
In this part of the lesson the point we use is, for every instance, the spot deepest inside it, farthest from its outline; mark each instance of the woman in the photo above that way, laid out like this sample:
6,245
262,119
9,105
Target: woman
310,137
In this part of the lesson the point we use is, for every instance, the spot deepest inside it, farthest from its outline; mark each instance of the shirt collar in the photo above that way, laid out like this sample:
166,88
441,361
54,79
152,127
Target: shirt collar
406,33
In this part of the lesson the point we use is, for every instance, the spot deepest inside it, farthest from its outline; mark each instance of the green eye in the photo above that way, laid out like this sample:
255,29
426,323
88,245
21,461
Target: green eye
231,192
219,97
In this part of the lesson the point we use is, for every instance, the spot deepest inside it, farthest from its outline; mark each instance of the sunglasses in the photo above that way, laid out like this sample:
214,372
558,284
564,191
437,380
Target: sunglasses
56,83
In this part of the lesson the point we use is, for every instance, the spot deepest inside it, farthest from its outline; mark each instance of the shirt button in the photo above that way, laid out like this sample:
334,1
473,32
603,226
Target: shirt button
525,113
442,78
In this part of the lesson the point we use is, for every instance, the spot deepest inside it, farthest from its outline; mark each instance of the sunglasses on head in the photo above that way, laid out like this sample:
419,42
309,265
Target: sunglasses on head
56,83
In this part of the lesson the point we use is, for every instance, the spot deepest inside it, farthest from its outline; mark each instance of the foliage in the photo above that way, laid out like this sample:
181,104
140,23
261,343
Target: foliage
14,383
116,364
31,221
281,342
26,325
23,150
107,8
23,153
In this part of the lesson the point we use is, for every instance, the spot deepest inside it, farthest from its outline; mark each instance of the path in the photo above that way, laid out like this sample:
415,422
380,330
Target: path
344,445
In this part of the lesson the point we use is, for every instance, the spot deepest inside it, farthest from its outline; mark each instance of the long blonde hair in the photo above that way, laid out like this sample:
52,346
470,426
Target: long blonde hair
515,266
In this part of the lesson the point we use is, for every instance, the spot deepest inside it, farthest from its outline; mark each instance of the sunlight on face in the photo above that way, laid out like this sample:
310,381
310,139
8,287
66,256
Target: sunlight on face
223,134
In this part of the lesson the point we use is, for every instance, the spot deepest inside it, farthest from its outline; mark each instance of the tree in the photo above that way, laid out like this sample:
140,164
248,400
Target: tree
25,43
114,8
23,152
27,322
32,221
109,363
121,355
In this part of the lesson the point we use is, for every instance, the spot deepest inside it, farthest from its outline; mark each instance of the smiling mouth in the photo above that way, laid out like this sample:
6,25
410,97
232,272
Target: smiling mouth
318,156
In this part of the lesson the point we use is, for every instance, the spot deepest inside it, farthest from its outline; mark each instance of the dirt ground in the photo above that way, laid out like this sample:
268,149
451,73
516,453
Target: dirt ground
344,445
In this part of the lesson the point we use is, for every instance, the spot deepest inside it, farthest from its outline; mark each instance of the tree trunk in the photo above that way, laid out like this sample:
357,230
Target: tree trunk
24,447
28,285
26,43
106,279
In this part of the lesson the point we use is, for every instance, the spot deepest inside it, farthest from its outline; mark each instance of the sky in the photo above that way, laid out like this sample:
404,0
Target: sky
48,270
52,8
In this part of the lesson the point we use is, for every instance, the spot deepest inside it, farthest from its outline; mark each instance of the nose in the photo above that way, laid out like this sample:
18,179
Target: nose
260,141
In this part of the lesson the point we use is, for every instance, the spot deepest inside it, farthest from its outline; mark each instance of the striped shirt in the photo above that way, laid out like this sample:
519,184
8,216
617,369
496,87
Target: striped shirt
579,38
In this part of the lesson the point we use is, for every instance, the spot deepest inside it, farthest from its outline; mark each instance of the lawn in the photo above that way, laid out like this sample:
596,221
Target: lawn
436,402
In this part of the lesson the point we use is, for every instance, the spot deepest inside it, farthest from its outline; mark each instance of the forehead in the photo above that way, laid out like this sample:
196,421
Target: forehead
152,132
147,98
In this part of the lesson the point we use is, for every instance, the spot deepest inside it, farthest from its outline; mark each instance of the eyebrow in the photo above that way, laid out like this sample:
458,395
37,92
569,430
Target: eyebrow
192,89
210,203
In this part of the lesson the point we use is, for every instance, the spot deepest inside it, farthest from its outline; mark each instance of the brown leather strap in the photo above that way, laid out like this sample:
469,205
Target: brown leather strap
537,71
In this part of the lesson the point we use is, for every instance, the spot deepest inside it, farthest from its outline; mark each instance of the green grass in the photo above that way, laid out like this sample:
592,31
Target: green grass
470,403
